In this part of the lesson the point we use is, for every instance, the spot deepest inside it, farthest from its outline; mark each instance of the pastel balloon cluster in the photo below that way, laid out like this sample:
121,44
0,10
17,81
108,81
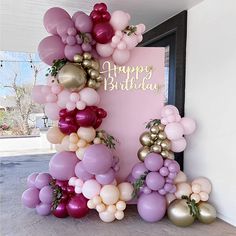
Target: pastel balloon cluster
124,40
39,194
176,127
110,203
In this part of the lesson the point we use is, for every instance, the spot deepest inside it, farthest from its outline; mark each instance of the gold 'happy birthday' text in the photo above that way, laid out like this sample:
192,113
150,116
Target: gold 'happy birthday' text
135,77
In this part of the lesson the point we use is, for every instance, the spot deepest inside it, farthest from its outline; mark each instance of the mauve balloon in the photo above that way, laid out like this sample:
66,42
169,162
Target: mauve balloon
86,117
81,173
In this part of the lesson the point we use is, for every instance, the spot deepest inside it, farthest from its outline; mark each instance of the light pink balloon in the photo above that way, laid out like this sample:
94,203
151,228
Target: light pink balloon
70,51
169,110
188,124
37,94
89,96
52,17
64,25
131,41
120,57
46,90
51,97
52,111
91,188
119,20
178,145
174,131
56,88
104,50
63,98
51,48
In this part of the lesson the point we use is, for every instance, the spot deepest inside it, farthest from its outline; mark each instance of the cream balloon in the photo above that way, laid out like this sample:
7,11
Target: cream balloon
195,197
204,196
180,178
196,188
91,188
183,189
59,148
109,194
120,206
100,207
90,204
107,216
87,133
74,138
111,208
80,152
97,200
204,183
119,215
126,190
54,135
66,143
170,197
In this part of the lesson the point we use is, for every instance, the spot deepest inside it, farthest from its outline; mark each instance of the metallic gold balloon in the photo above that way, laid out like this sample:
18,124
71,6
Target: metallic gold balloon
179,213
97,86
155,148
78,58
92,83
154,136
94,74
154,129
86,63
158,142
162,135
143,152
87,56
145,139
99,78
165,153
95,65
166,144
161,127
207,213
72,76
171,155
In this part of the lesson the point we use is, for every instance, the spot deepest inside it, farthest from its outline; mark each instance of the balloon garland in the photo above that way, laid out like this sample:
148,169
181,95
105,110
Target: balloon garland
82,174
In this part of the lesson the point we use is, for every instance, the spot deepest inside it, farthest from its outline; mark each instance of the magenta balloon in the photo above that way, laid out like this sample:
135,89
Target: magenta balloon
51,48
97,159
62,165
86,117
70,51
67,127
52,17
153,161
138,170
106,178
43,209
81,173
155,181
151,207
46,194
64,25
43,179
31,179
30,197
83,23
37,94
103,32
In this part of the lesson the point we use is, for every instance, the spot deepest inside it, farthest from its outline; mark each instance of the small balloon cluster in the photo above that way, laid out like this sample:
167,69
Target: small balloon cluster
189,202
100,33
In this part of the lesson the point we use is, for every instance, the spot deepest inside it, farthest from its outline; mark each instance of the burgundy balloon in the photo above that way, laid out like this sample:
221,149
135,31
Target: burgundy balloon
60,211
86,117
77,206
97,123
64,113
103,32
67,126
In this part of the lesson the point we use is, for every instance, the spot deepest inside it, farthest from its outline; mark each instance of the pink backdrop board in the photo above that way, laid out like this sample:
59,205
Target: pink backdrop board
132,95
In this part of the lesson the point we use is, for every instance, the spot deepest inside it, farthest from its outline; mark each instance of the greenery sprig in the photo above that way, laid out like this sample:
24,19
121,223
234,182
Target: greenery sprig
193,207
139,183
151,123
129,30
107,139
57,65
57,194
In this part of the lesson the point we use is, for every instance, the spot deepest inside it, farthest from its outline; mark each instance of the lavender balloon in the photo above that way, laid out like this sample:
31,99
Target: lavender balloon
138,170
31,179
81,173
106,178
30,197
46,195
97,159
151,207
42,179
155,181
153,161
43,209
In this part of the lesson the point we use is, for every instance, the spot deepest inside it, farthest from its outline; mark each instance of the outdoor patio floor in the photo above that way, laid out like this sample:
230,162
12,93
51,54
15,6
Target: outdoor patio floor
19,221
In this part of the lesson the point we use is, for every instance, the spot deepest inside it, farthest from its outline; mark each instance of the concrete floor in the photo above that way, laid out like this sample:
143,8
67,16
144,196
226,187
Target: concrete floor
19,221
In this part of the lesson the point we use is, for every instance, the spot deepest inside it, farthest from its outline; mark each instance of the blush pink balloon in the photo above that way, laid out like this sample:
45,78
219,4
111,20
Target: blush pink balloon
37,94
169,110
52,111
89,96
51,97
174,131
188,124
119,20
64,25
178,145
70,51
130,40
63,98
51,48
104,50
120,57
52,17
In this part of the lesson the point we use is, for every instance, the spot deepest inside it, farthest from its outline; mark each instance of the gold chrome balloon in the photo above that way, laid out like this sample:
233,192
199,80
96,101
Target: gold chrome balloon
94,74
162,135
155,148
158,142
92,83
154,129
179,213
72,76
166,144
87,56
86,63
153,136
95,65
161,127
145,139
165,153
143,152
78,58
207,213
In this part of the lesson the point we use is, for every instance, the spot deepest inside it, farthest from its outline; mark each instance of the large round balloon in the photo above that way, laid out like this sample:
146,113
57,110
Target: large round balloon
51,48
103,32
97,159
152,206
62,165
30,197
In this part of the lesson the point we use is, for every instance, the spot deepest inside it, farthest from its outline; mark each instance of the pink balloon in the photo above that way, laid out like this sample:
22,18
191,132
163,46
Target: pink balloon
178,145
120,57
131,41
31,179
83,23
77,14
52,111
169,110
51,48
37,94
43,209
63,98
70,51
174,131
64,25
119,20
51,97
188,124
62,165
104,50
89,96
